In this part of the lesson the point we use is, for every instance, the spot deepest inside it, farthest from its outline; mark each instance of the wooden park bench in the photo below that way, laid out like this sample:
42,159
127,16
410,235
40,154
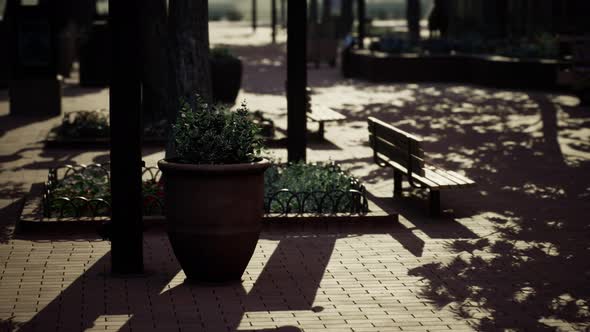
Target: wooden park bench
403,152
579,67
321,115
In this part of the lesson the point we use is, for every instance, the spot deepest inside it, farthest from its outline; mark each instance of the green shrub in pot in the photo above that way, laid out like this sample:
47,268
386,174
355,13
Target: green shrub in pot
214,135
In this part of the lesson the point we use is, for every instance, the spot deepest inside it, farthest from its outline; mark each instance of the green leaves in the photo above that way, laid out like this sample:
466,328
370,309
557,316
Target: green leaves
299,177
324,185
215,135
85,124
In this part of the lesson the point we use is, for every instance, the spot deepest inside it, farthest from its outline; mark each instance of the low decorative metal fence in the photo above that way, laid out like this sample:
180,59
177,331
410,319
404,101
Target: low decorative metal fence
75,191
353,200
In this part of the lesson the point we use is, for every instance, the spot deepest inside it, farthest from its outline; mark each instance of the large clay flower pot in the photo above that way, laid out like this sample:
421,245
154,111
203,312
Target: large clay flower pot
214,215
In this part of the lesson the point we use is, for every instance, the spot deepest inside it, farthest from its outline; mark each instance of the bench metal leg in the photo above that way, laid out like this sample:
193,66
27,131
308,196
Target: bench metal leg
397,183
321,130
434,203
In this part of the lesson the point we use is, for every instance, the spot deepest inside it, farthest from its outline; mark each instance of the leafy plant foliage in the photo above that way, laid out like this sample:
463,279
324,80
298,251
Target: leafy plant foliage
300,176
214,135
95,124
311,188
291,188
85,124
79,192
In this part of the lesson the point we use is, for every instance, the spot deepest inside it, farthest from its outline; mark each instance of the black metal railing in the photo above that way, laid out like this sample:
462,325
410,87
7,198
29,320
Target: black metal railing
97,178
353,200
58,205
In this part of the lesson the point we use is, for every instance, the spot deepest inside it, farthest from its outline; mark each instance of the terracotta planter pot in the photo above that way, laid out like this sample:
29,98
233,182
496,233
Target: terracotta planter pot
226,79
214,215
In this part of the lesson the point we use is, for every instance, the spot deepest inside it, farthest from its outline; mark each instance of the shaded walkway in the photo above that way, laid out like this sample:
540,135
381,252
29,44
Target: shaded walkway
509,254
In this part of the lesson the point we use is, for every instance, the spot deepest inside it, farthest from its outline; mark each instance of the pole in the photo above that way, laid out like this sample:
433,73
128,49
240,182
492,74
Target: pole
413,14
273,7
125,120
327,11
347,17
361,25
283,22
296,80
313,11
254,15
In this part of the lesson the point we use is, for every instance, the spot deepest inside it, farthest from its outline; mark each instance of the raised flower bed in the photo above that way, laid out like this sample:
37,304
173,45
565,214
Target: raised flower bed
490,70
91,128
79,196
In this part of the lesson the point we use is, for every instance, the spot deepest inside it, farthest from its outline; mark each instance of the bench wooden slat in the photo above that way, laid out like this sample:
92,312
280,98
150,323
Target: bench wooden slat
442,182
462,177
444,173
324,114
396,154
390,127
435,183
396,136
416,177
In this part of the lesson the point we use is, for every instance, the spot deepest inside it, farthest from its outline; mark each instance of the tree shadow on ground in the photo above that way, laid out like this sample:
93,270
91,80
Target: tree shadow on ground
54,157
525,265
8,215
529,155
11,202
282,278
8,325
11,122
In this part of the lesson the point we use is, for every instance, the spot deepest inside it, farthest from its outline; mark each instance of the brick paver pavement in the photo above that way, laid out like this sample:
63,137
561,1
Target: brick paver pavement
510,255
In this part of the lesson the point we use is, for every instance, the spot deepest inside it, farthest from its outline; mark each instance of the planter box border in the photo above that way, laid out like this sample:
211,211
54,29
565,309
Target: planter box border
31,219
482,69
54,140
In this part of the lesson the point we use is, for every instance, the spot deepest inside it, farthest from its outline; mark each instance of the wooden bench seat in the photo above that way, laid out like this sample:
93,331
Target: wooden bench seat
322,114
403,152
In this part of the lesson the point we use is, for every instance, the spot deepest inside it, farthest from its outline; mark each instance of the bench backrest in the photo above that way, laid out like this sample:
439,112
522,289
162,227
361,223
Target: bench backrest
397,145
581,52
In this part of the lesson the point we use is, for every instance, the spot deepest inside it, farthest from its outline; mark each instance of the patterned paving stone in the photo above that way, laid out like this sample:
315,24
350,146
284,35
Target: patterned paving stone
509,255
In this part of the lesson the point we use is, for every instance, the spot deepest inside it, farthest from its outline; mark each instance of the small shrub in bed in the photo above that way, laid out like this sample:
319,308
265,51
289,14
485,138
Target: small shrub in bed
292,188
312,188
95,124
86,193
83,124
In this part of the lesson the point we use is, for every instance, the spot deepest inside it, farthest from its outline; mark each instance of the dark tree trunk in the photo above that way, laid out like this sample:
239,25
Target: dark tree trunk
413,14
254,15
313,11
326,11
154,71
296,80
189,71
347,17
362,20
273,23
283,16
502,12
